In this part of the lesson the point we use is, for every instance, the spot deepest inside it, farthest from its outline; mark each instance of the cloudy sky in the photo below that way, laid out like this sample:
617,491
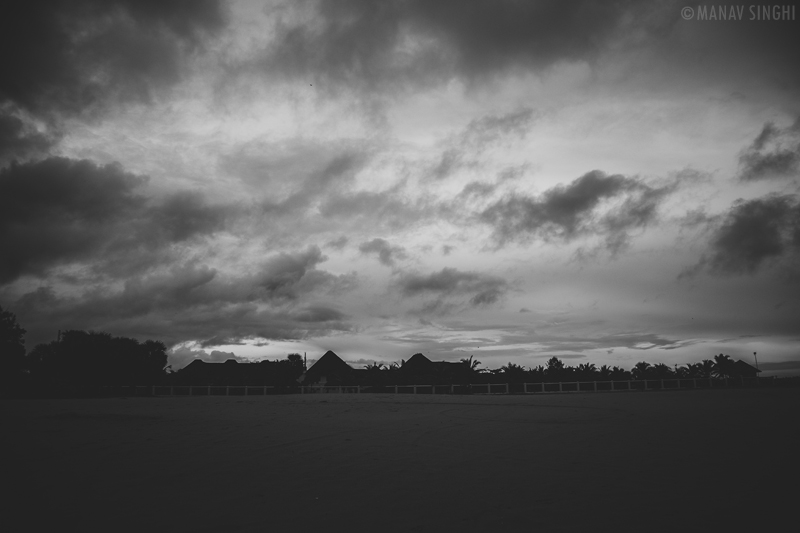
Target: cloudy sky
606,182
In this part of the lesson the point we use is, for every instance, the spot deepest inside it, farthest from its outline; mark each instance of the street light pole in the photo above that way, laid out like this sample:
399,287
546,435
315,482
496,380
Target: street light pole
754,355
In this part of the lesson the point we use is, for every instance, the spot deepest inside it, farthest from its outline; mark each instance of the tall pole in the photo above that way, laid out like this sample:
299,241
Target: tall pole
754,355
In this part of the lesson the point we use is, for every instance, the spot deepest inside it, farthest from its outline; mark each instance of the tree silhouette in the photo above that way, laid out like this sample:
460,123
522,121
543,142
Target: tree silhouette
618,373
295,361
706,368
155,359
471,364
376,374
537,374
641,370
723,366
586,371
513,373
289,369
12,346
555,369
661,371
83,359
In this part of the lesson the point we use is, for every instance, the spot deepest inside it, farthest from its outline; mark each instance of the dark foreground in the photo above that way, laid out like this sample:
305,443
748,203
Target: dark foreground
705,460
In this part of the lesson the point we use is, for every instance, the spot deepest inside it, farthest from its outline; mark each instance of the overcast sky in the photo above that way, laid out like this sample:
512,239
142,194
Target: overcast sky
606,182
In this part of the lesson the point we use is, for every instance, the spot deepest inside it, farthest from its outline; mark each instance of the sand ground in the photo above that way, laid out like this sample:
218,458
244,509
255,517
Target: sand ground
705,460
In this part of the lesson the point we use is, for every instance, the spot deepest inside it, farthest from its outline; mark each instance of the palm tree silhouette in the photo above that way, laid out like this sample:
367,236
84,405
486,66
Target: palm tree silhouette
641,370
586,371
723,366
514,373
661,371
471,364
707,368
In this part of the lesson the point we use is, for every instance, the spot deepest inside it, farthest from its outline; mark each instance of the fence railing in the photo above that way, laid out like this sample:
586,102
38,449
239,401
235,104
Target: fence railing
195,390
642,384
474,388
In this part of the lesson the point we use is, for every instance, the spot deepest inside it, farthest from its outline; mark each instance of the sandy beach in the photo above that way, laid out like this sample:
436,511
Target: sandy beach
702,460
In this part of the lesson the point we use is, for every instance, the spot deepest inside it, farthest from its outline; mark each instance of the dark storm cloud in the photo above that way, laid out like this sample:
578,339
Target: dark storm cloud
279,279
380,48
177,217
281,276
58,210
360,43
62,56
753,233
303,319
192,301
385,251
775,153
560,212
20,140
247,322
483,288
213,324
220,341
569,211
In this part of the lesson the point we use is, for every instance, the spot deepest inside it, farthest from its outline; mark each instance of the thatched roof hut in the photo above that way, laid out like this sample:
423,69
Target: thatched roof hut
330,369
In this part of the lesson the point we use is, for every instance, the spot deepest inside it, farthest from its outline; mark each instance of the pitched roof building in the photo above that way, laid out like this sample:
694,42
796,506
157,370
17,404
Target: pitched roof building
233,372
422,370
745,370
330,369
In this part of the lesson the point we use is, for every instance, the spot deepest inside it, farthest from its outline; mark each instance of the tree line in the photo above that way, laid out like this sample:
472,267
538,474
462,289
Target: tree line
77,363
721,366
555,370
81,361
